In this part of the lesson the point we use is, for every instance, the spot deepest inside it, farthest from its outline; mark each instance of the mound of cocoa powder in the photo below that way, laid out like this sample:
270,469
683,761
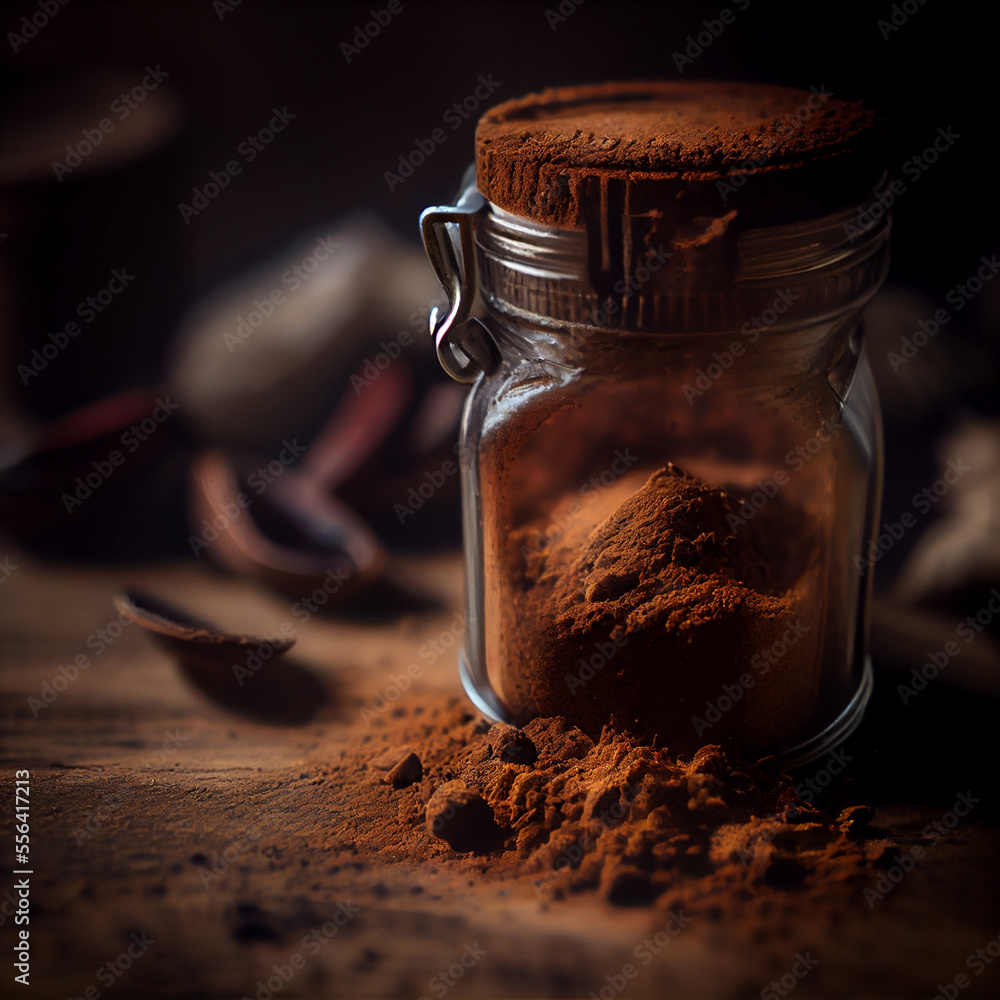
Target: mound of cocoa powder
632,822
652,615
548,811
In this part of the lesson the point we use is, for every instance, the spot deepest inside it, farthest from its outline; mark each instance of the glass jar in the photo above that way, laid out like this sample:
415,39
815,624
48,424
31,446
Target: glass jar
670,458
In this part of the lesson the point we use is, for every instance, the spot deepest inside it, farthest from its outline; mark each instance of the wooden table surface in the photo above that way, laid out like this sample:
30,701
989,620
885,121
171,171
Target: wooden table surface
166,823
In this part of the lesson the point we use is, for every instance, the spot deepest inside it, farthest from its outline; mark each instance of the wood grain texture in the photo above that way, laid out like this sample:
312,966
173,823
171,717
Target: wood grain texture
157,810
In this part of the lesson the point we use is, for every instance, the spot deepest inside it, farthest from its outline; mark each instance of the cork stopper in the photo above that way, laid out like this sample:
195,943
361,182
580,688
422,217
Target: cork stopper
681,171
738,152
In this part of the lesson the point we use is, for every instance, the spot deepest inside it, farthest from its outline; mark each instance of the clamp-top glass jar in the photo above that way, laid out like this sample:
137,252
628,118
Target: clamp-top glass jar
671,455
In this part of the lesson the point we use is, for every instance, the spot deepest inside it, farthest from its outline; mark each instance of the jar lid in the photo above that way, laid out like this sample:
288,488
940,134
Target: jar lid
736,151
703,173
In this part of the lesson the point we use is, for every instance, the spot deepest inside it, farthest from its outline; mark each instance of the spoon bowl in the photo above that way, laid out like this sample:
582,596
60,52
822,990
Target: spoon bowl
194,642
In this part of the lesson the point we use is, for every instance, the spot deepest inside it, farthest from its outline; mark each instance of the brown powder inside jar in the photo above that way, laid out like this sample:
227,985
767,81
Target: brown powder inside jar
653,615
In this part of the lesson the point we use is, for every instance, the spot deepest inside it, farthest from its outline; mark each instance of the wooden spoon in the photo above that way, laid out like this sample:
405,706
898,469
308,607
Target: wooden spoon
192,641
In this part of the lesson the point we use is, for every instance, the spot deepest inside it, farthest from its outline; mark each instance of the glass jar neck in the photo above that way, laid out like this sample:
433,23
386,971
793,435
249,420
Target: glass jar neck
718,280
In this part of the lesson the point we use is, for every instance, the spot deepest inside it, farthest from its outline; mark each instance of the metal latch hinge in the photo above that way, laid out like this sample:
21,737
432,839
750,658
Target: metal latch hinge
464,346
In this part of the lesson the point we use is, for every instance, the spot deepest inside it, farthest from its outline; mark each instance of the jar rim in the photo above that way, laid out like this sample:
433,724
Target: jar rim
536,273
